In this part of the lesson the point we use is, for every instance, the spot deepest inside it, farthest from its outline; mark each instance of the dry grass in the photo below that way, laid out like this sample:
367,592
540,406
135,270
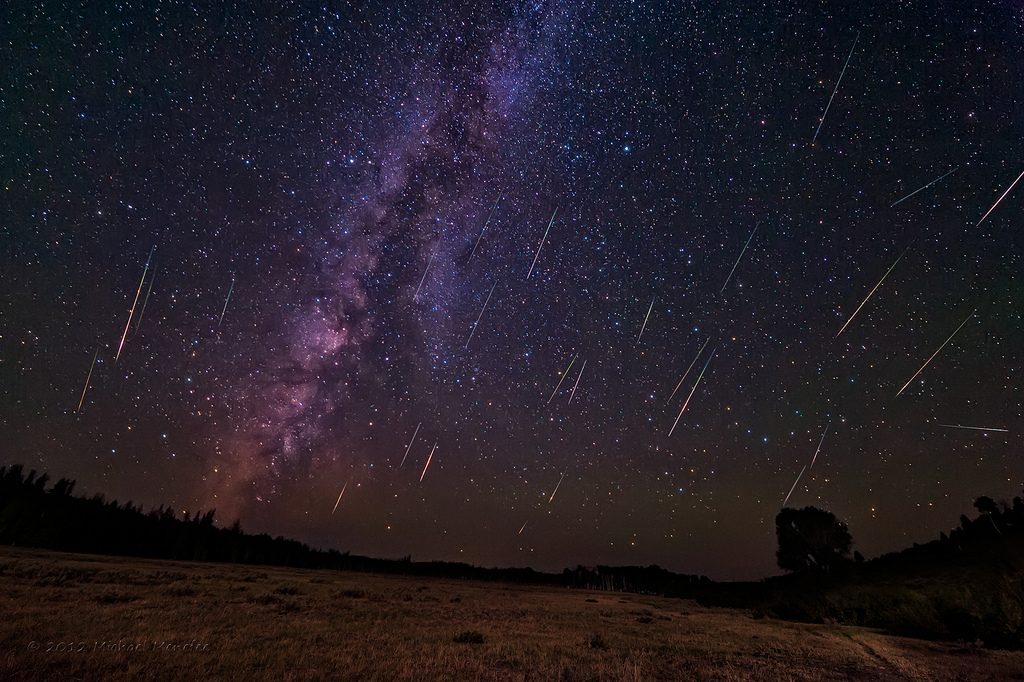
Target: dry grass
259,623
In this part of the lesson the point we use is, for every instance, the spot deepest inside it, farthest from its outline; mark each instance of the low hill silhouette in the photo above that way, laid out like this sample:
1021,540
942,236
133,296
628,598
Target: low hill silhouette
967,585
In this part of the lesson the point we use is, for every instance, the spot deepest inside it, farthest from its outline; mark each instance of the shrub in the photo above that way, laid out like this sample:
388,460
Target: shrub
469,637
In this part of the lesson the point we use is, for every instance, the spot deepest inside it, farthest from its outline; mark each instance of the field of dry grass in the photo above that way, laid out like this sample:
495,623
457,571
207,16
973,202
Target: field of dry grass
66,616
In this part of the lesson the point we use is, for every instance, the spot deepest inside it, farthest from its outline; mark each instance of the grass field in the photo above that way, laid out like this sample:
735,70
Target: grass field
65,616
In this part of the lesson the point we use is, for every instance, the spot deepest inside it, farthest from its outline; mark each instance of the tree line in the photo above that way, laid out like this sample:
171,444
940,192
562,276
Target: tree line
967,584
36,514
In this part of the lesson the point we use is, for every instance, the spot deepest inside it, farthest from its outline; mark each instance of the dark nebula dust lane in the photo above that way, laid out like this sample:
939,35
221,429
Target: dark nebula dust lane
388,277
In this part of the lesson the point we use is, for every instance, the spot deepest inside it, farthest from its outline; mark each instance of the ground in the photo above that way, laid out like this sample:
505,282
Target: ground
68,616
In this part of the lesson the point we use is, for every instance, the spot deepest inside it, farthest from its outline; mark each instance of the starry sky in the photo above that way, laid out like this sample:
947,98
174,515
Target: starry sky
467,262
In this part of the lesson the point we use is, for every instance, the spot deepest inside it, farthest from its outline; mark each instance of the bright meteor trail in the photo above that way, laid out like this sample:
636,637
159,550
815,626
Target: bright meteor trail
836,89
739,258
794,486
935,353
484,228
477,323
427,465
919,189
974,428
407,448
564,374
578,377
228,298
999,200
557,485
425,272
131,312
87,378
541,246
339,498
871,293
145,300
692,391
687,372
646,317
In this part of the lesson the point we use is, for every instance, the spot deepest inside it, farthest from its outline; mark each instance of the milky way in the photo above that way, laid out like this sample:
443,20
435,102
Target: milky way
488,240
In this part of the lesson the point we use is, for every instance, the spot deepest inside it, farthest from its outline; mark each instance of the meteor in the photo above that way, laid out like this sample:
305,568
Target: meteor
225,308
339,498
871,293
687,372
694,390
541,246
823,434
974,428
407,448
1001,198
836,89
424,278
935,353
427,465
88,377
580,376
131,312
550,499
145,300
564,374
647,317
727,279
919,189
522,528
794,486
482,229
477,323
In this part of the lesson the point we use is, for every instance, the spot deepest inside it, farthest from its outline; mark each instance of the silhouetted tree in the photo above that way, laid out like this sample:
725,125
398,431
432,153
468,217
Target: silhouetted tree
811,538
986,505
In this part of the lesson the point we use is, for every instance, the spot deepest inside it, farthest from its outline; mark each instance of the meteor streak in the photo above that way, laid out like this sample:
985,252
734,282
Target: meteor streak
687,372
131,312
477,323
145,300
88,377
871,293
823,434
794,486
427,465
1001,198
550,499
564,374
935,353
424,278
407,447
974,428
692,391
541,246
836,89
339,498
919,189
647,317
522,528
580,376
225,308
727,279
484,228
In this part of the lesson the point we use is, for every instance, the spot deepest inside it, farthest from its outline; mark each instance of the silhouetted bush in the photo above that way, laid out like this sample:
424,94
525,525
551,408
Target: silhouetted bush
811,538
469,637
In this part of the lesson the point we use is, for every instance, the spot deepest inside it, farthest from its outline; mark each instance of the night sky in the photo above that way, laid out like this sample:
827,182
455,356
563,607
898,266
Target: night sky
601,195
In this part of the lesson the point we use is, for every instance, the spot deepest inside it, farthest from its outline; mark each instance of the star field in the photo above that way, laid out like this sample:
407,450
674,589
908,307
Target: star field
510,228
